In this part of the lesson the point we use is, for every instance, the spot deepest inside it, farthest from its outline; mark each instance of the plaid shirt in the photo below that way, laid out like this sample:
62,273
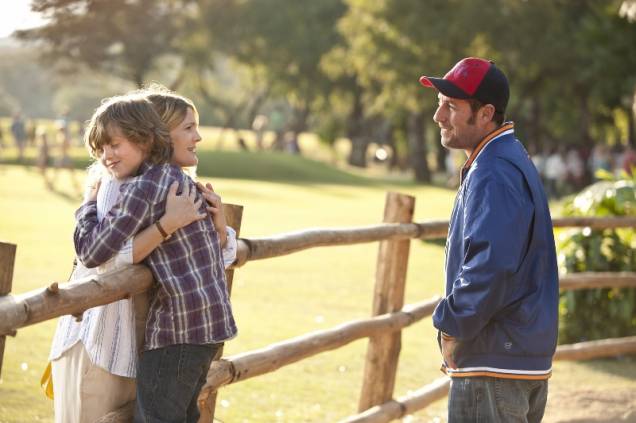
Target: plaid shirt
191,303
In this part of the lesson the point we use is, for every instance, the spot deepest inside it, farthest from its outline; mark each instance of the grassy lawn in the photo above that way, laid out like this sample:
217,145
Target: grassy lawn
273,299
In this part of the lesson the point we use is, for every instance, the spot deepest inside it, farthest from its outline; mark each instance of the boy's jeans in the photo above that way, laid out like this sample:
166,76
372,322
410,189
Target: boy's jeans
494,400
169,380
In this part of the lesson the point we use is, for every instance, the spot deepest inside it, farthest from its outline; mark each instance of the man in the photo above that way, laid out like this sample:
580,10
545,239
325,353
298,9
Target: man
498,321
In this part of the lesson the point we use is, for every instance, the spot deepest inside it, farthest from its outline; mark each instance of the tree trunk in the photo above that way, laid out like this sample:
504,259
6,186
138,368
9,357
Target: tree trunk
535,127
584,134
631,126
355,132
417,147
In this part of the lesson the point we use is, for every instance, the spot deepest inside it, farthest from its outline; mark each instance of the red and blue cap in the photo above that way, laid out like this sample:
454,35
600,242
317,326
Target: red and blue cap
476,78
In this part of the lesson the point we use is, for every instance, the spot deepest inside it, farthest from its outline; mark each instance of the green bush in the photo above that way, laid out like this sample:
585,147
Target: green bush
599,313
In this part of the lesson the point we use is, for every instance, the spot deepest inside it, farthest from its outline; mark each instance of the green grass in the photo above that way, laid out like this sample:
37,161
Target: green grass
293,294
273,299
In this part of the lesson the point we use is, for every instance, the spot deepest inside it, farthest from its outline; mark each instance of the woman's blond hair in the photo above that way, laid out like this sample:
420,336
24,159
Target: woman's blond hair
171,107
137,119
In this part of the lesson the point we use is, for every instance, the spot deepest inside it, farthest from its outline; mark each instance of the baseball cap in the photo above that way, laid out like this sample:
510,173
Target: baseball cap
476,78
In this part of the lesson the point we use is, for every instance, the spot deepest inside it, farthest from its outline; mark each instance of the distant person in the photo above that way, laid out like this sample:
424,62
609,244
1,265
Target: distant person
555,173
629,160
498,321
617,152
63,124
601,160
1,137
44,155
80,132
291,142
19,134
64,161
259,126
242,144
575,169
31,130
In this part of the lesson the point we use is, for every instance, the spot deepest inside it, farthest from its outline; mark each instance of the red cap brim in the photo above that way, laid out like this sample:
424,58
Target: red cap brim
426,82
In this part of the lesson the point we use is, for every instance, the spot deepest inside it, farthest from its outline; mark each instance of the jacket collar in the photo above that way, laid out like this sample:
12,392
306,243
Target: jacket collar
143,168
506,128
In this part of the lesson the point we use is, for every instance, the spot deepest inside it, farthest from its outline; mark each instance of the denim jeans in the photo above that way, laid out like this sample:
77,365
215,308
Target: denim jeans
169,380
495,400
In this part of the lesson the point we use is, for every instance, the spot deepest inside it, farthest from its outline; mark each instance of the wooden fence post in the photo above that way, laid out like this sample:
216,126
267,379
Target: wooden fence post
384,350
207,400
7,259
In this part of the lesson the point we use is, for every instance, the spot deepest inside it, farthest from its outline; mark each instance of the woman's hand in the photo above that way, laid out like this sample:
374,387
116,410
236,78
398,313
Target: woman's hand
181,210
215,207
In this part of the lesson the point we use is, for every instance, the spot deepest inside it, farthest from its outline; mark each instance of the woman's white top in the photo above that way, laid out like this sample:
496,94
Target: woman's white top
108,331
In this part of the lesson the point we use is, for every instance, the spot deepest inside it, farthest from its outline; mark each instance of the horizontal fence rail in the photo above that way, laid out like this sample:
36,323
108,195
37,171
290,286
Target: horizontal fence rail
587,280
253,363
76,297
403,406
426,395
280,245
71,298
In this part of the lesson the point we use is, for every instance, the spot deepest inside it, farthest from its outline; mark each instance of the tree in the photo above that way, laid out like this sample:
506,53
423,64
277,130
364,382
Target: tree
125,38
285,40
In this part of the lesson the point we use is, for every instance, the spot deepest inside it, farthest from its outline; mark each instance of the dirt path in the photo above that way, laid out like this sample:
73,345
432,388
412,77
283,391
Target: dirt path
591,406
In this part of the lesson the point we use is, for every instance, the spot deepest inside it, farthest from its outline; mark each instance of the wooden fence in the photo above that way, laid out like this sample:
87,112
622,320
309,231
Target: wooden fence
383,329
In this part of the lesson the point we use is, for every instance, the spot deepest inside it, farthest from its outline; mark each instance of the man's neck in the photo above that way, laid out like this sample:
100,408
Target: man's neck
486,130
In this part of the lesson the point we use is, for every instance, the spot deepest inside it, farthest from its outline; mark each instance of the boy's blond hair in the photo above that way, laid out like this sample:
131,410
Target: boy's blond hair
137,119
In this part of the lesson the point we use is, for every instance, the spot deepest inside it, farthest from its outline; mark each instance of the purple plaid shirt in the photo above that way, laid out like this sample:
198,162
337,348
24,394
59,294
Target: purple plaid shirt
191,304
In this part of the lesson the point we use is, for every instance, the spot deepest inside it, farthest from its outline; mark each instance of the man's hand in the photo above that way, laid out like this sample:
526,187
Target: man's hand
449,344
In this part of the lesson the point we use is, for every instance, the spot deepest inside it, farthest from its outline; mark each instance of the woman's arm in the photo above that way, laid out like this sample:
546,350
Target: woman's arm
181,210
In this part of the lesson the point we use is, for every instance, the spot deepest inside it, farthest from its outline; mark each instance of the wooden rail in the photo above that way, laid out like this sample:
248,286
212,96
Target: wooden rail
75,297
283,244
71,298
437,390
253,363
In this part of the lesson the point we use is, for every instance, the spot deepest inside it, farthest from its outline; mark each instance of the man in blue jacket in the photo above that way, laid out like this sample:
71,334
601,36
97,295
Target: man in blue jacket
498,321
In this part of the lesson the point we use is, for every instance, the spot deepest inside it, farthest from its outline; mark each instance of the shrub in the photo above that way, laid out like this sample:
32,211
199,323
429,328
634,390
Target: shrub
599,313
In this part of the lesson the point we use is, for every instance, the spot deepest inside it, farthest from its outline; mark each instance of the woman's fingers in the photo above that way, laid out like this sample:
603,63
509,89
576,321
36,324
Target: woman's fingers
173,188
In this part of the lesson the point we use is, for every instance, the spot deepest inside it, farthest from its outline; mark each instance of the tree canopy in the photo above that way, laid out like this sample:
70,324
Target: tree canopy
351,67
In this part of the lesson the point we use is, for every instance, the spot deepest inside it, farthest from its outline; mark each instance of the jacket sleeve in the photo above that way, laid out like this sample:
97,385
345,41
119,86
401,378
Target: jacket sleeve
497,226
97,242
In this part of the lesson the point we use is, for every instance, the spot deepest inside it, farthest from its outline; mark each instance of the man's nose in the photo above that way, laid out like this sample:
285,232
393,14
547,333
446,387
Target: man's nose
438,116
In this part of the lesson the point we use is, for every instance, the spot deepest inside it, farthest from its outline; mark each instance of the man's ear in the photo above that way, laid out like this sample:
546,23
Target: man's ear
486,113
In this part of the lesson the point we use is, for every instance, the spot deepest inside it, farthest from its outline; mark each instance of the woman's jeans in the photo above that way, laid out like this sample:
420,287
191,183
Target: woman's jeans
169,380
494,400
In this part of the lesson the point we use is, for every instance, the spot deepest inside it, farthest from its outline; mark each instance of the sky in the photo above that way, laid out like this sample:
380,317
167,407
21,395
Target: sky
16,14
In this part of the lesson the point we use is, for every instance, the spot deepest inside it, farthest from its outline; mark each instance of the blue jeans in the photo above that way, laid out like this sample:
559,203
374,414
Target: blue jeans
494,400
169,380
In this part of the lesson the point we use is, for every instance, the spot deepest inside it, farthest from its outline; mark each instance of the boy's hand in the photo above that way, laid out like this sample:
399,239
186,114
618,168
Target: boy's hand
181,210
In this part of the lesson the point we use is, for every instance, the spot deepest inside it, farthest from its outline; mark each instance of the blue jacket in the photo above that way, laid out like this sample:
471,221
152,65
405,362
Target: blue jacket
502,288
